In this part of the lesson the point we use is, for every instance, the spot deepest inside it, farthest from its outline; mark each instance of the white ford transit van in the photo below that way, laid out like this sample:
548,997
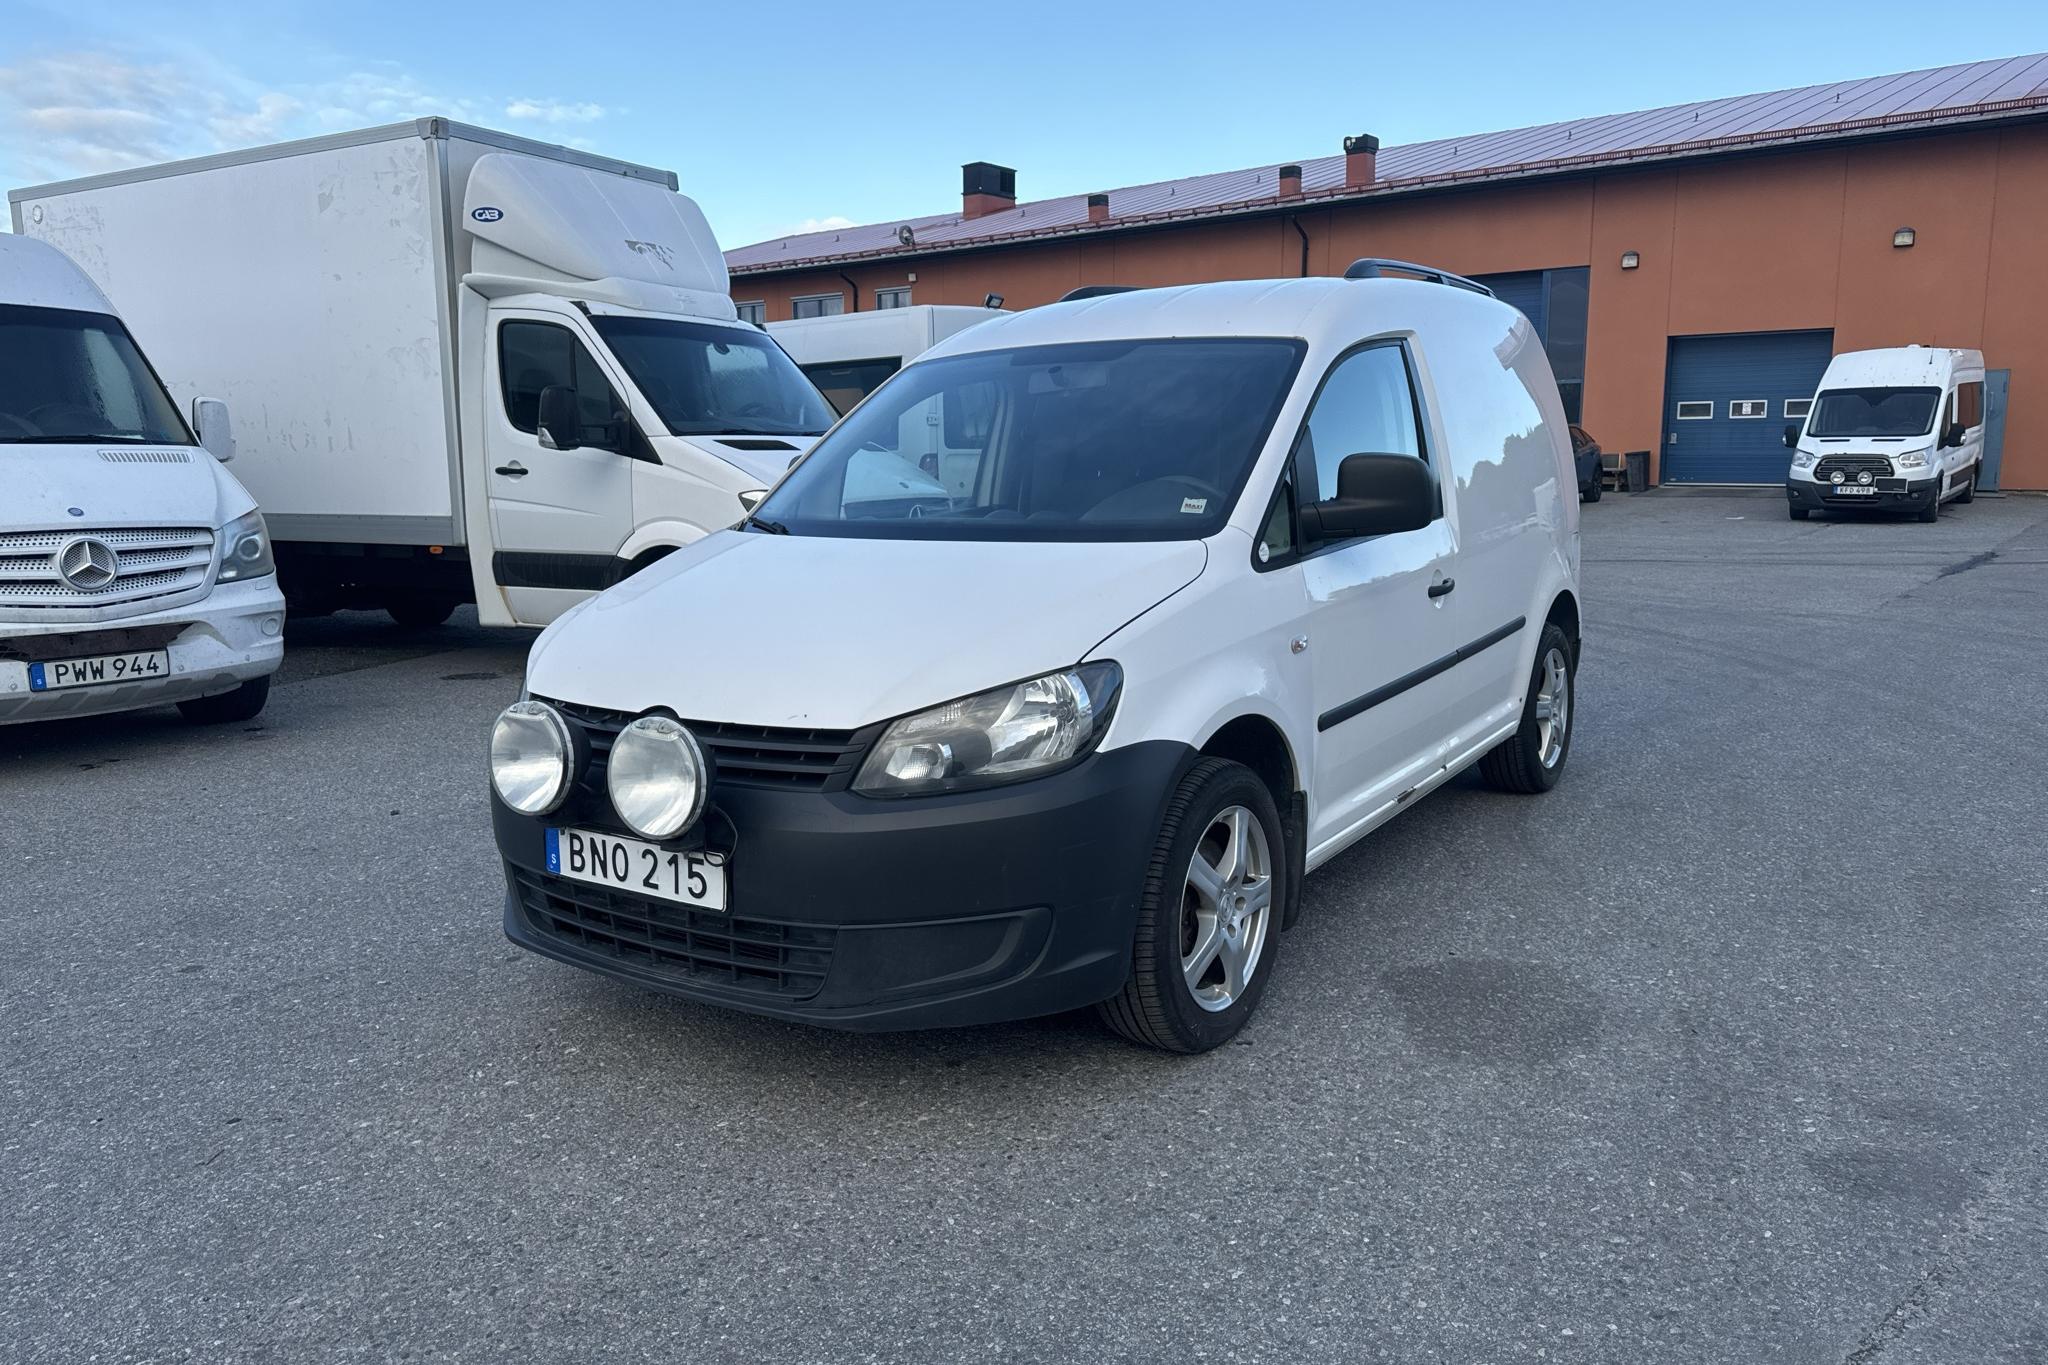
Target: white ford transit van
1898,428
1242,571
134,569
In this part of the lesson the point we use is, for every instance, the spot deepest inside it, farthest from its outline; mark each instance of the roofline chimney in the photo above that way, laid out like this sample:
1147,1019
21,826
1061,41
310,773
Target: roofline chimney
1361,161
1290,182
1098,208
986,188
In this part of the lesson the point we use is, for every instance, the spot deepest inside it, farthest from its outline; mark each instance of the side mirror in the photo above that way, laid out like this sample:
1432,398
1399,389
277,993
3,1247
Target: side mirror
216,433
560,424
1954,435
1791,435
1376,495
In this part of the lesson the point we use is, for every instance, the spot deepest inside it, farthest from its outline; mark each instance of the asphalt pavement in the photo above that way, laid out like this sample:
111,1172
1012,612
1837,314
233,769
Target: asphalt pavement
1733,1048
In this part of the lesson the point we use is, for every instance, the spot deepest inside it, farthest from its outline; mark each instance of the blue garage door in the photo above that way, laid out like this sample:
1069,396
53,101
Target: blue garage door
1523,290
1725,403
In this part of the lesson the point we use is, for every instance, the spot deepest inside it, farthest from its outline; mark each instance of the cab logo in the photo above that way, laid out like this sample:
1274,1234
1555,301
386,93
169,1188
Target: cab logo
487,214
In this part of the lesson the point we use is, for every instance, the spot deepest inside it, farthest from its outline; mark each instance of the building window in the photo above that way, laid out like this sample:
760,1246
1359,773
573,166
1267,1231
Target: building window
1749,407
755,312
1695,412
817,306
1555,302
893,298
1797,408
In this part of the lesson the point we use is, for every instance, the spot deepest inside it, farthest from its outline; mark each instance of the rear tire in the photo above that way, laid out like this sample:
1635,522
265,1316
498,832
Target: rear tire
1208,914
244,703
416,613
1592,494
1970,494
1532,759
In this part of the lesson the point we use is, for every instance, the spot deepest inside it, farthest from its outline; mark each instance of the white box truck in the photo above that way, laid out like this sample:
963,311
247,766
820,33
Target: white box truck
464,365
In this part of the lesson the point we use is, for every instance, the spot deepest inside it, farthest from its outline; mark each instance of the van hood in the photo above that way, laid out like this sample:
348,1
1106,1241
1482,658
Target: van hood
116,485
748,628
763,459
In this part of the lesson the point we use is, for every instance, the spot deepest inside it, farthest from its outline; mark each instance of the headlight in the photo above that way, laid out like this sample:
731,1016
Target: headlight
245,549
1911,459
657,777
531,757
1004,735
1803,459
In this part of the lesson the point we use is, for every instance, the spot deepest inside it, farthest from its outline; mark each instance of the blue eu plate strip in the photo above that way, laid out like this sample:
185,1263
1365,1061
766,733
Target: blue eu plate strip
35,679
555,852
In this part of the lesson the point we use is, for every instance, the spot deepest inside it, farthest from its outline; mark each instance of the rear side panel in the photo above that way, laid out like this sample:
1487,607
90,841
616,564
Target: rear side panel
307,290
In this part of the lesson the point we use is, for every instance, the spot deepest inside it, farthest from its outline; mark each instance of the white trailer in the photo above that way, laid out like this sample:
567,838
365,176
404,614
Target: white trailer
463,365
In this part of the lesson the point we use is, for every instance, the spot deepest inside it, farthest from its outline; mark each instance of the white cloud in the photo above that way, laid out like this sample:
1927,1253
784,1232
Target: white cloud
832,224
554,111
78,113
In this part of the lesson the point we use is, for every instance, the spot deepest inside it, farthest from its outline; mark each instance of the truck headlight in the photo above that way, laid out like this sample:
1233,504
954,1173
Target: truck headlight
657,776
1804,459
1007,734
245,549
532,757
1911,459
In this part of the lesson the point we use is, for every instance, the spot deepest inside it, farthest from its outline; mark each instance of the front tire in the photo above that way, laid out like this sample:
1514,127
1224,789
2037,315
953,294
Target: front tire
1970,494
1932,511
1208,915
1800,513
244,703
1592,493
417,612
1532,759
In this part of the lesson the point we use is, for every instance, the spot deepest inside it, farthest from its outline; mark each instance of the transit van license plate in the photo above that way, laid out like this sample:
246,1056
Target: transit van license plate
99,668
690,877
1853,490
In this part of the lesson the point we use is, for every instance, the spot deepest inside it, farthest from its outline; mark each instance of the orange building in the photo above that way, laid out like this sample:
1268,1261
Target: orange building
1715,252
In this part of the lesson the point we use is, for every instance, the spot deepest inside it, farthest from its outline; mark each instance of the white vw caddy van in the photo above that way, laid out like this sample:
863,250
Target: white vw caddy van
1899,428
134,570
1243,571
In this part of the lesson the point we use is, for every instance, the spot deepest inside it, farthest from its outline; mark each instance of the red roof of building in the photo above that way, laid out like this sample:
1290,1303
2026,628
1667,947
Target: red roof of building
1971,92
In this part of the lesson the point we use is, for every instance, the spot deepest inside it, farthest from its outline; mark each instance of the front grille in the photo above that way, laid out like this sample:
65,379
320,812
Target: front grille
77,644
150,562
745,755
1877,466
696,947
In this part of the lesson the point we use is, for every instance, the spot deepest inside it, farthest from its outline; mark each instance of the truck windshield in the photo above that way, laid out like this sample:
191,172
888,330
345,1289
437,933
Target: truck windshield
1873,412
1121,440
69,377
706,380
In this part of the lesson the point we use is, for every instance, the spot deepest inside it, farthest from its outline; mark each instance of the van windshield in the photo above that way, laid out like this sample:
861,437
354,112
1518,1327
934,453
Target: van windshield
705,380
1873,412
1118,440
72,377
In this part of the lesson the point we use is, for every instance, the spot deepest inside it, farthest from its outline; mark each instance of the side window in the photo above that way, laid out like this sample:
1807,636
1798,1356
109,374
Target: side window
1276,538
1366,404
536,355
1970,403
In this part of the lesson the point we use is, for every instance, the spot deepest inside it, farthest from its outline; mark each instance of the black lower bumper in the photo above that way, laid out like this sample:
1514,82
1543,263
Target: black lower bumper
1909,497
861,913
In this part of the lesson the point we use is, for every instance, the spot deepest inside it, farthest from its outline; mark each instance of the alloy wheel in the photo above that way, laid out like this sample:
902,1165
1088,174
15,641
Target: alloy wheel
1226,909
1553,707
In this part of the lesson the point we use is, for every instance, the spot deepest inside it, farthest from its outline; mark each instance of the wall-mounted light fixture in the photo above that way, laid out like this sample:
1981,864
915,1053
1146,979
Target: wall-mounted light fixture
1631,259
991,300
1903,236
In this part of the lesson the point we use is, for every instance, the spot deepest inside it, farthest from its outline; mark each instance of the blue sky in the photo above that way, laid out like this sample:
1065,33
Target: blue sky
781,117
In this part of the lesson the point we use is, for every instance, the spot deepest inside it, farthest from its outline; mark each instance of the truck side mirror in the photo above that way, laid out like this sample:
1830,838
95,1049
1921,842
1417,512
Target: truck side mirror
1791,435
1377,494
560,425
1953,436
216,433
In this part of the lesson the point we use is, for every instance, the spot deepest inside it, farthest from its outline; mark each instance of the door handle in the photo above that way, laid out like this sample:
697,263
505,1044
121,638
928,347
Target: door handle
515,470
1442,589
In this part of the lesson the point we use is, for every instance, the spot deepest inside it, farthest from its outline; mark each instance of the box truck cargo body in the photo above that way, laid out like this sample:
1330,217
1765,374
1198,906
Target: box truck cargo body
463,365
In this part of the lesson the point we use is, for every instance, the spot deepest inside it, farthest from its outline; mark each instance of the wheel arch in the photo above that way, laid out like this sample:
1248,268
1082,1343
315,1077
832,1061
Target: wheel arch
1259,743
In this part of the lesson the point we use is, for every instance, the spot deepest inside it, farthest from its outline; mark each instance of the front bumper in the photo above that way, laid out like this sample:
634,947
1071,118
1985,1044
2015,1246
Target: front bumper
1908,495
232,635
861,913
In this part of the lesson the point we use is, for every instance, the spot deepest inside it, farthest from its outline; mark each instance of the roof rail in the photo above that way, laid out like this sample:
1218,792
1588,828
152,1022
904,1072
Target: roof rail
1096,291
1373,268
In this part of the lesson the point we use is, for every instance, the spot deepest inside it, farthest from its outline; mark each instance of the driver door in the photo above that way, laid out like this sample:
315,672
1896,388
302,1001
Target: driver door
558,517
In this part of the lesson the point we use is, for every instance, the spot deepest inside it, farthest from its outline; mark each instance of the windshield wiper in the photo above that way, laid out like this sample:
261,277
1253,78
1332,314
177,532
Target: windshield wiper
773,528
73,438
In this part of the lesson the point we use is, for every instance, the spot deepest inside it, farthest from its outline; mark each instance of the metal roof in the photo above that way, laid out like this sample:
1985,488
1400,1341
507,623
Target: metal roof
1943,95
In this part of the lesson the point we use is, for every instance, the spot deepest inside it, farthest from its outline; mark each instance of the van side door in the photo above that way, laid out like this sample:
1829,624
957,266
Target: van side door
1381,609
558,516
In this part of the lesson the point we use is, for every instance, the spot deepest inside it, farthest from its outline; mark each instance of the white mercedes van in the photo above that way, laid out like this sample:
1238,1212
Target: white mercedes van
1899,428
1243,571
134,569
